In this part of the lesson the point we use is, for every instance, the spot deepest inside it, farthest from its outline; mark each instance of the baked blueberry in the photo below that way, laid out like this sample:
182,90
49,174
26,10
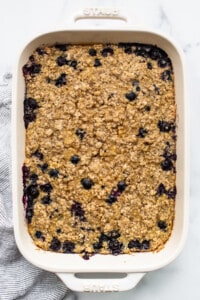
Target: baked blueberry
32,191
97,62
30,104
147,108
31,69
165,126
47,187
167,165
73,64
97,245
43,167
161,189
134,244
103,237
29,214
53,173
38,234
61,61
38,154
121,186
87,183
40,51
157,53
171,193
75,159
163,62
166,75
80,133
68,247
131,96
111,199
46,200
145,244
162,225
114,234
149,66
107,51
61,80
142,132
92,52
33,177
58,230
25,173
77,211
61,47
115,246
28,118
55,244
128,50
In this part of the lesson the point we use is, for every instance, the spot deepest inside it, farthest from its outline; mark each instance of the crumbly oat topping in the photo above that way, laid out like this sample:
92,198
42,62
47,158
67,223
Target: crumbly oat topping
100,166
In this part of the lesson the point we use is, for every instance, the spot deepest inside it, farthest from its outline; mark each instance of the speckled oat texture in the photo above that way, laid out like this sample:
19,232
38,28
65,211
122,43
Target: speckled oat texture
100,166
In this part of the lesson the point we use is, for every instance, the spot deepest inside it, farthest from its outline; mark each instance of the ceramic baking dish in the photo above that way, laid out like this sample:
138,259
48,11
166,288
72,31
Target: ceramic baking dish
101,272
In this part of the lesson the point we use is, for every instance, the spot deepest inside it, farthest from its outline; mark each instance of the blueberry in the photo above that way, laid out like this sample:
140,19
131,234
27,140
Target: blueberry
162,225
87,183
163,62
47,187
86,256
107,51
125,45
142,132
157,53
121,186
31,58
80,133
46,200
103,237
29,214
55,244
61,61
25,173
43,167
97,245
40,51
167,165
145,245
161,189
114,234
73,64
128,50
92,52
171,193
62,47
31,69
61,80
38,234
142,50
97,62
28,118
135,82
147,108
30,104
137,88
134,244
77,211
165,126
68,247
131,96
111,199
149,66
38,154
75,159
58,230
53,173
166,75
32,191
33,177
115,246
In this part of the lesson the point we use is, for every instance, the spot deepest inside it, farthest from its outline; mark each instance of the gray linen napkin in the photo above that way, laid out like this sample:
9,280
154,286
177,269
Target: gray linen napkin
18,278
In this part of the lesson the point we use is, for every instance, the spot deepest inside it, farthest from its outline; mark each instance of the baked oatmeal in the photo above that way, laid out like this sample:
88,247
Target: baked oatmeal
100,154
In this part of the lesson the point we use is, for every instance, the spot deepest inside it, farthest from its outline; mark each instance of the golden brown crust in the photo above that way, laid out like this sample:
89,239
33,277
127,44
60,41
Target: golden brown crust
120,141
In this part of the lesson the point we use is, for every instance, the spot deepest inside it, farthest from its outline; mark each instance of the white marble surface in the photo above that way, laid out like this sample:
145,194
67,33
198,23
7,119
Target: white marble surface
21,20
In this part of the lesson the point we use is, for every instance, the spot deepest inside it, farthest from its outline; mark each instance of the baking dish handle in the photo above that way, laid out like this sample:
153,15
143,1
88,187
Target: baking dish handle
100,284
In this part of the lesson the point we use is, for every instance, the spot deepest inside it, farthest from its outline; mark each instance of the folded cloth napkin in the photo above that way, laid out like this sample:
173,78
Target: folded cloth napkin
18,278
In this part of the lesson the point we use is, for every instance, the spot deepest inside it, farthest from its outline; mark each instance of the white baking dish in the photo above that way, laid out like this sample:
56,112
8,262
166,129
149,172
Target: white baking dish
133,266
